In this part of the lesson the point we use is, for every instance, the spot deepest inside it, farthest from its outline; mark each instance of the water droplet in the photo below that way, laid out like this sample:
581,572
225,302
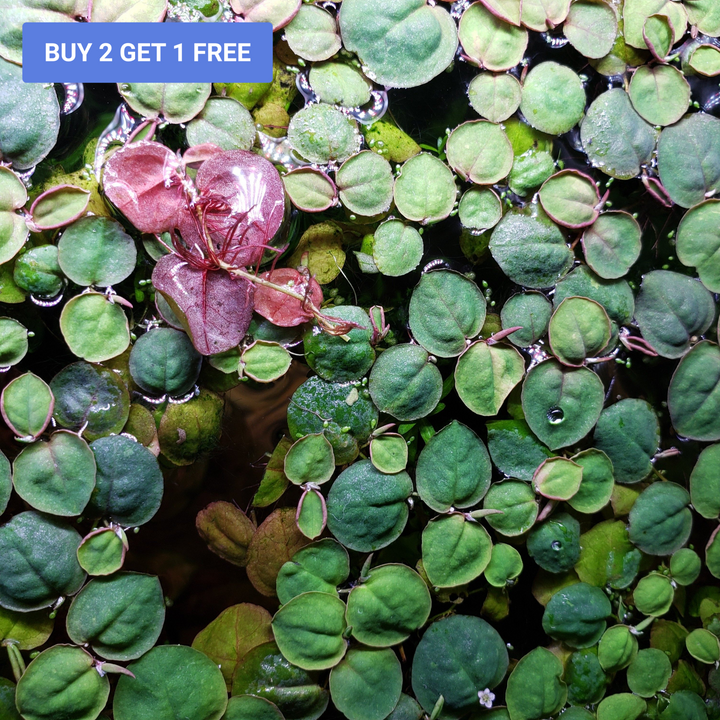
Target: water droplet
555,415
74,96
555,545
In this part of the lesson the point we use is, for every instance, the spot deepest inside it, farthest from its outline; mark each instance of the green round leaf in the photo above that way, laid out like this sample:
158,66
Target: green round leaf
660,94
30,117
658,34
561,405
514,449
607,557
102,552
705,483
614,295
425,189
389,453
165,362
90,397
120,616
654,595
171,681
685,566
340,359
553,98
379,35
591,28
529,311
516,501
629,433
457,657
313,34
622,706
309,630
555,543
530,249
712,554
576,615
698,241
62,682
59,206
5,482
37,271
694,393
397,248
558,478
688,156
705,60
404,383
505,566
585,678
340,405
26,630
311,514
455,550
495,97
570,198
649,672
309,189
407,708
129,484
671,308
597,482
367,509
250,707
479,209
265,361
638,11
535,689
266,673
660,520
479,151
38,555
446,309
13,342
491,42
390,605
616,139
486,374
366,684
319,133
27,405
453,469
703,646
318,567
685,705
94,328
224,122
338,83
365,182
578,329
310,459
173,102
56,476
617,648
612,244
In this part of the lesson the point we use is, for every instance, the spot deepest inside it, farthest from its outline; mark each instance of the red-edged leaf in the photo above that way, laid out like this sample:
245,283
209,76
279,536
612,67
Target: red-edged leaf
244,202
284,310
215,307
144,181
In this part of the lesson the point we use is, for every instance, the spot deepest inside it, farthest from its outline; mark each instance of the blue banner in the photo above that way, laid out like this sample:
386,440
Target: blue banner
147,52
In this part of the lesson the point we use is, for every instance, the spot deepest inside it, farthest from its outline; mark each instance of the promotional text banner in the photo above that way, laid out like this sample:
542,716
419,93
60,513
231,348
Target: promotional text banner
147,52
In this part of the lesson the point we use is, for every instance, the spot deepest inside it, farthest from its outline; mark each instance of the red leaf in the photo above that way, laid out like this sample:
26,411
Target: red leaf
244,202
144,181
215,307
281,309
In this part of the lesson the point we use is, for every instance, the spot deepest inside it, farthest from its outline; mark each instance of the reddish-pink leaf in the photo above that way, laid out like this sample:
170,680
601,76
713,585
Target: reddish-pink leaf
284,310
144,181
215,307
198,154
243,199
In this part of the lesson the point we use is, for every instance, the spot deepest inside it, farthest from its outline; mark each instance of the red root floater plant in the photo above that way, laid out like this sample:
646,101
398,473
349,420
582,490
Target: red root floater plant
220,224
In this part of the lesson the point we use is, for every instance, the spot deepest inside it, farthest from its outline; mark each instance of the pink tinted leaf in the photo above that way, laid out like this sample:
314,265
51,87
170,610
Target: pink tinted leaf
284,310
144,181
244,203
214,307
198,154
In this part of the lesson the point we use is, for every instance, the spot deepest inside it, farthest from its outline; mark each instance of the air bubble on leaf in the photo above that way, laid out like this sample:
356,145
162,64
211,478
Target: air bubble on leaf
555,415
118,131
555,545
